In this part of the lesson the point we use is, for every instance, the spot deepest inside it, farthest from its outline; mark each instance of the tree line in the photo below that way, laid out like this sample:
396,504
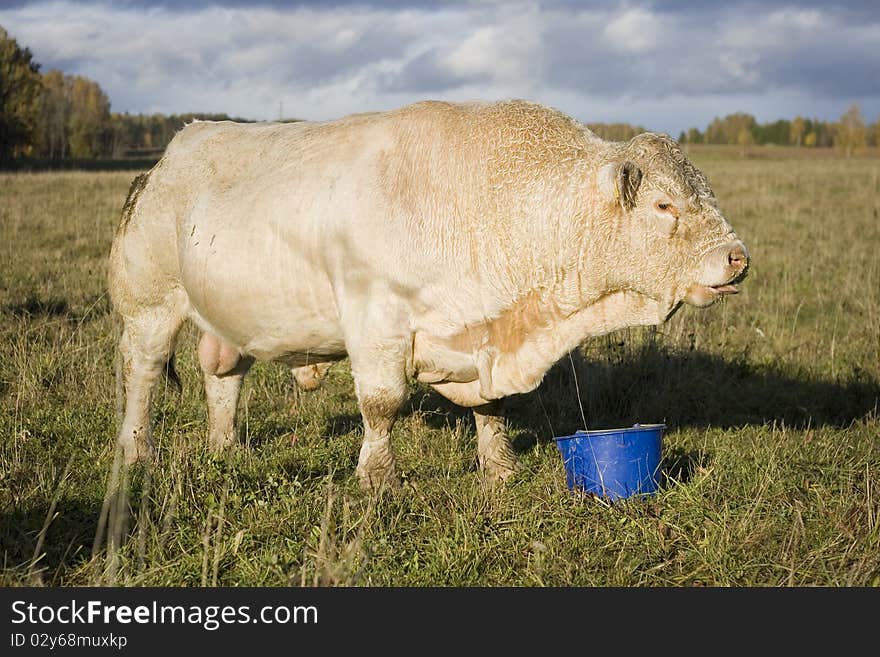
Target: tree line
56,117
850,133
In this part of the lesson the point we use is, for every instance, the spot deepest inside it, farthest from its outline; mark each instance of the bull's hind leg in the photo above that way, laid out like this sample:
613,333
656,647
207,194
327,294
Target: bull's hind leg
146,346
224,369
497,460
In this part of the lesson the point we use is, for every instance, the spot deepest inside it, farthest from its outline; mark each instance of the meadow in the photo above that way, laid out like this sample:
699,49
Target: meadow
771,456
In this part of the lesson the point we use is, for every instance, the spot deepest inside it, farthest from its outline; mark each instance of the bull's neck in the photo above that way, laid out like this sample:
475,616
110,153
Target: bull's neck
519,364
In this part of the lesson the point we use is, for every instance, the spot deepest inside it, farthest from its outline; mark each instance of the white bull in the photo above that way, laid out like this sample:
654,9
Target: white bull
467,245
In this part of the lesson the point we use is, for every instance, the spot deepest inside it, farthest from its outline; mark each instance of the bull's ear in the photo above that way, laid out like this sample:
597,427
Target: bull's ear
620,183
627,180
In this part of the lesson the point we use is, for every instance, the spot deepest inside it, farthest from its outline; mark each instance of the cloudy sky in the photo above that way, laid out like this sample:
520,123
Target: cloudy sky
662,64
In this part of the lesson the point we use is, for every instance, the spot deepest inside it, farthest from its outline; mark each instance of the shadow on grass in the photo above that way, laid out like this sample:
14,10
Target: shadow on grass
652,384
295,469
32,306
680,465
269,431
68,540
341,425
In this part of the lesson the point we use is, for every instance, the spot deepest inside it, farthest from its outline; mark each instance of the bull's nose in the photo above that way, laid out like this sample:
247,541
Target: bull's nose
738,257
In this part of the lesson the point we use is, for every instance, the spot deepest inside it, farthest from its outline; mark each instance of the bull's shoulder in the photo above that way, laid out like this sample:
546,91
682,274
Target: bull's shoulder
518,129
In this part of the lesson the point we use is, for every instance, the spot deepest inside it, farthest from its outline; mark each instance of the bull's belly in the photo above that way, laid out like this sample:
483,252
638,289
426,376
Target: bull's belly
296,337
273,308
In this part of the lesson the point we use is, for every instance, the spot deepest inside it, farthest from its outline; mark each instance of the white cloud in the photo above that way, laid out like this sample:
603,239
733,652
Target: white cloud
636,30
666,69
507,51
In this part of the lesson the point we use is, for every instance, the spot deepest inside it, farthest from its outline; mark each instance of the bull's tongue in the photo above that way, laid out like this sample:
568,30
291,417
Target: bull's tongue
726,289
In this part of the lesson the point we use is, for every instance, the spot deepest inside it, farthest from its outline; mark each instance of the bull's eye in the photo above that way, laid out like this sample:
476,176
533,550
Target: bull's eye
666,217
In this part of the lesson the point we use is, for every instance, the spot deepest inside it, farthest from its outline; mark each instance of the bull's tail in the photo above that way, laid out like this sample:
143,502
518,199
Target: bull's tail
171,375
120,389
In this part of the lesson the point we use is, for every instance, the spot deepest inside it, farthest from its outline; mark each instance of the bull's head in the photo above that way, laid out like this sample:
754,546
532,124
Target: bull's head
680,246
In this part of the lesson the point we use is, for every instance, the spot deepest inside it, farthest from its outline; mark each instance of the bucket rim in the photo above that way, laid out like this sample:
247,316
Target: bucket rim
636,428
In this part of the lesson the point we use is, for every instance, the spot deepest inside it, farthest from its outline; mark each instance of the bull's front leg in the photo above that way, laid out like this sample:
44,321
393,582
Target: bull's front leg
380,383
496,457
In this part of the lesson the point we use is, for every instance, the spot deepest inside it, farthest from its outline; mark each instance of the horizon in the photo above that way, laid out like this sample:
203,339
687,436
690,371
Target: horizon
319,61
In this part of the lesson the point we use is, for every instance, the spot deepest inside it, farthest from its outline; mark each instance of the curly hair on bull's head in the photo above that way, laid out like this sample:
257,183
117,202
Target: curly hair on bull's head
669,166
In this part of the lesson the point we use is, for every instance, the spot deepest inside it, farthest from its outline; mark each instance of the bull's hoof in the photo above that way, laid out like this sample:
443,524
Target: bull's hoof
376,467
219,444
136,445
377,480
135,452
497,471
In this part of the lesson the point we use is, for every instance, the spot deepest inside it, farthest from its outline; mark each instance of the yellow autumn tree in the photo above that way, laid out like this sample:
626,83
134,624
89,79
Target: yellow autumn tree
797,130
54,116
89,117
744,139
850,134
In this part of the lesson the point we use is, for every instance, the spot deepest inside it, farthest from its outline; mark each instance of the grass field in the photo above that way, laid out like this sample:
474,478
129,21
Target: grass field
772,456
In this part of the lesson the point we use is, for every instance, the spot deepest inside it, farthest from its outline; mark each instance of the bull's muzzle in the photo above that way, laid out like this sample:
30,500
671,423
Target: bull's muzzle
720,271
738,258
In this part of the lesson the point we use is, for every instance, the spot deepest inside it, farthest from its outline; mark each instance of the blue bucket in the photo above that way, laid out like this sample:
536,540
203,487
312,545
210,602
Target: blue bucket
613,463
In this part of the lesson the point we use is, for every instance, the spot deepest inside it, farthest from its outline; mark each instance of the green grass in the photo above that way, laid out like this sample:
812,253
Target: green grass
772,454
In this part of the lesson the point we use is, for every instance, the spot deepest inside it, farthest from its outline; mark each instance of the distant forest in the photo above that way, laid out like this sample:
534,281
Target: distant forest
54,116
